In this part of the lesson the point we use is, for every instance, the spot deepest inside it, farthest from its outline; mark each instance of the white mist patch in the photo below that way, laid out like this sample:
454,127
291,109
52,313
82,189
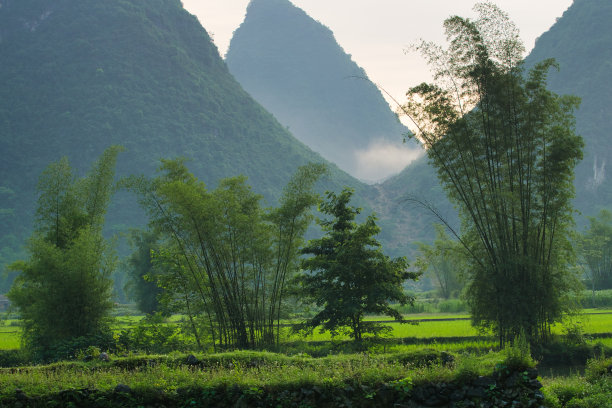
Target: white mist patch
383,159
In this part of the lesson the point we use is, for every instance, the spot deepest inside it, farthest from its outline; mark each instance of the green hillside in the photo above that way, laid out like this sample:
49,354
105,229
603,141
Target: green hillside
80,75
581,42
293,65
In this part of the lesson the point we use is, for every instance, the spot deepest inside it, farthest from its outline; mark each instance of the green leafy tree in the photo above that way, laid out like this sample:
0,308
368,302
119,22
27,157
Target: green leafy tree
505,151
596,250
141,283
348,274
444,262
226,259
64,289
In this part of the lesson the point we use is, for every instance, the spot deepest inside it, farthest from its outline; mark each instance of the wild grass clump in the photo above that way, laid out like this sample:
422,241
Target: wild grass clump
14,358
564,354
247,378
593,390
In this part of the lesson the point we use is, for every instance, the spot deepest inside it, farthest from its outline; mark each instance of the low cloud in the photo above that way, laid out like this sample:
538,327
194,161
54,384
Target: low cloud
383,159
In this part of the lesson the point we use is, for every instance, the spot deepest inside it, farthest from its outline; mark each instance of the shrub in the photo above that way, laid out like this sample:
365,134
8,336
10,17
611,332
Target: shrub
153,335
590,300
14,358
76,347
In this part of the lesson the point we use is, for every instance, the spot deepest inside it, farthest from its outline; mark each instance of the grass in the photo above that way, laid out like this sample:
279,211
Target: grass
430,326
429,329
233,369
383,363
593,389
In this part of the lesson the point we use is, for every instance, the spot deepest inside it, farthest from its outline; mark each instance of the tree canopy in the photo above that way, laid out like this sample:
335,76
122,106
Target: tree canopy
348,276
444,262
596,250
225,259
505,150
64,289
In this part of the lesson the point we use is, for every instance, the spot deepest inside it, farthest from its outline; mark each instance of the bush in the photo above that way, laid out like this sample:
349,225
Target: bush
518,355
14,358
153,335
578,392
598,368
452,306
423,358
599,299
558,353
76,347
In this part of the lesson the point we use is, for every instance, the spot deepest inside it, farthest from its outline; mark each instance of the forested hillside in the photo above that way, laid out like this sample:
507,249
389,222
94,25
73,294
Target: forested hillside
581,42
293,65
80,75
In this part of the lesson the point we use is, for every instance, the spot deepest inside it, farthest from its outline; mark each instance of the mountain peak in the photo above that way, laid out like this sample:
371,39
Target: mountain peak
295,68
142,74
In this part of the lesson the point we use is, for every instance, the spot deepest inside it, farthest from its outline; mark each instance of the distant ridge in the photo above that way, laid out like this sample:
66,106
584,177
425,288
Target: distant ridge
581,42
293,65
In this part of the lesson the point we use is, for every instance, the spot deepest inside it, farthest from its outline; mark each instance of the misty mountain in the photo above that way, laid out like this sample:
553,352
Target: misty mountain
581,42
80,75
294,67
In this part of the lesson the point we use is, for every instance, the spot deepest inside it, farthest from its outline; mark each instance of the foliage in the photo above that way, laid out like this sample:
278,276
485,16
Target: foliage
348,275
597,299
505,149
141,284
593,390
152,335
145,75
64,289
445,262
76,347
240,379
226,261
596,249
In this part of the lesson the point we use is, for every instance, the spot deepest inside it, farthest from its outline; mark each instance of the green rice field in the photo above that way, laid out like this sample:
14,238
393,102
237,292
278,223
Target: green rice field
422,326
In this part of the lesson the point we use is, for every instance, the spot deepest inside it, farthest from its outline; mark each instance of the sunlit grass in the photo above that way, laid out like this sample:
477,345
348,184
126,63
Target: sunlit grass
272,370
592,321
10,339
428,329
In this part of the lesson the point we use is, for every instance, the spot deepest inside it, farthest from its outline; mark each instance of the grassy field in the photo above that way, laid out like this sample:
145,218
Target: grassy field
428,326
449,325
317,361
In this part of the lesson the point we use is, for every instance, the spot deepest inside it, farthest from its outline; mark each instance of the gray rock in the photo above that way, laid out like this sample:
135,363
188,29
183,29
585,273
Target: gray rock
192,360
535,384
20,395
532,373
513,380
476,392
484,382
122,388
457,395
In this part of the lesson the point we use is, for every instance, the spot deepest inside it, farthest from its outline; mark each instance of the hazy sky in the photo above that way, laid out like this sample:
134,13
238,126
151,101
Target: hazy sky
376,33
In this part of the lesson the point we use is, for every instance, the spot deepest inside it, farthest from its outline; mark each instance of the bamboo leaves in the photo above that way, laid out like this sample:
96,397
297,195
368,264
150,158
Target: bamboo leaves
227,259
505,150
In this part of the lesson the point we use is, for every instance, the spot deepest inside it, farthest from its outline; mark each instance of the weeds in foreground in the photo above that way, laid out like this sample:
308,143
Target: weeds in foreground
591,390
